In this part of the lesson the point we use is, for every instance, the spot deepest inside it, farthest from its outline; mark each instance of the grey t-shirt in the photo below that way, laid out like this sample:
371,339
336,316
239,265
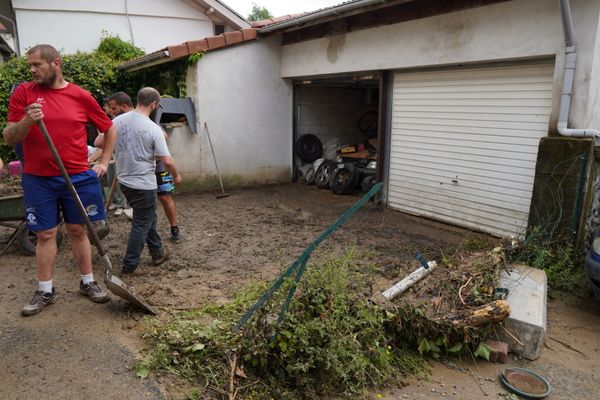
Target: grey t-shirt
139,141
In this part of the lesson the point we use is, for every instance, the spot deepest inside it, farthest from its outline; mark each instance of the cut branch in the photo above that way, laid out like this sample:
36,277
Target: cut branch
495,311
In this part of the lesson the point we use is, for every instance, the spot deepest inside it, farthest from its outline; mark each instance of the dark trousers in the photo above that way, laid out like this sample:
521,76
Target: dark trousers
143,226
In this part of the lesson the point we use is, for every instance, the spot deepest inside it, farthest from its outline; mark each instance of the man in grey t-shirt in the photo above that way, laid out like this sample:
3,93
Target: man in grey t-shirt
139,142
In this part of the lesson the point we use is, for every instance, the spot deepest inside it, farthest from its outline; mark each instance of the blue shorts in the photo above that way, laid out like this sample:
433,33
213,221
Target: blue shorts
164,181
47,196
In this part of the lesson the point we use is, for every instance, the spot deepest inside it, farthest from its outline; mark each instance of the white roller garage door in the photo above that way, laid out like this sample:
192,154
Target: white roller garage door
464,144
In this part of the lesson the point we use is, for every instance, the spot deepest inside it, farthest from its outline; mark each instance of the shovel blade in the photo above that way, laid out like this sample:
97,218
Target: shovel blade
118,287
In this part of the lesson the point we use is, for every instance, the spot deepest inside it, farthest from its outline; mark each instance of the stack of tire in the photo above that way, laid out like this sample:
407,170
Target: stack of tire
343,178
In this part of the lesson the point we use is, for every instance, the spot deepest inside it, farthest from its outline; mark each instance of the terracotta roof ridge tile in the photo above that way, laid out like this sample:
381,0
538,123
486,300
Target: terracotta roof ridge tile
264,22
210,43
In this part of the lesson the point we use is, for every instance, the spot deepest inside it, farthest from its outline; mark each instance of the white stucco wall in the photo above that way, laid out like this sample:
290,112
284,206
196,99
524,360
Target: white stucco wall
517,29
593,103
78,25
239,93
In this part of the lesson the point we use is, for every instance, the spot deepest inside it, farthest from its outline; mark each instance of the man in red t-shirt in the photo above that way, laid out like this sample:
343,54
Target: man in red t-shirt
66,109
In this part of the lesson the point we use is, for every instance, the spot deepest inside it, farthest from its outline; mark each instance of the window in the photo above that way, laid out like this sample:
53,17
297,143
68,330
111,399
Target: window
219,28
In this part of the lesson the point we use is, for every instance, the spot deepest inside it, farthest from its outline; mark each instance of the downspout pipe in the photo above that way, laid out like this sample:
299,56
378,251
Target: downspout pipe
569,77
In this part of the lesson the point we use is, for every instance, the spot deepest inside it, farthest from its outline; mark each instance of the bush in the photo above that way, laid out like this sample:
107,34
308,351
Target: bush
95,71
565,269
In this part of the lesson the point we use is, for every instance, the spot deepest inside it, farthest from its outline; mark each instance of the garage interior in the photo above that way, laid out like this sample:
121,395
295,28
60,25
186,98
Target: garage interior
336,127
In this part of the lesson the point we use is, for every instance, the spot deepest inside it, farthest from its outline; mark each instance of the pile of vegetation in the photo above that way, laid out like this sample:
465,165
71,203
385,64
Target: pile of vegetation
334,340
431,314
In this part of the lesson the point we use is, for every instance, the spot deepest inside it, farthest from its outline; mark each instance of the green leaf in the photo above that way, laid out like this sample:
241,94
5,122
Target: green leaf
457,348
424,346
194,348
142,371
483,351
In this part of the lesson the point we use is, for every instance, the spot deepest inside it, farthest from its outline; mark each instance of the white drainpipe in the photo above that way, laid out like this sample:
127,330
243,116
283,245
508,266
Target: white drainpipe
569,76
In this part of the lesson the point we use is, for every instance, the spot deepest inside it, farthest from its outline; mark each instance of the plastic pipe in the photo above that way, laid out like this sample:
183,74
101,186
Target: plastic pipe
410,280
568,79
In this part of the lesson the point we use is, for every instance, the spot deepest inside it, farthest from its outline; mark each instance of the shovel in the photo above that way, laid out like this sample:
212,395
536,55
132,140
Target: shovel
113,283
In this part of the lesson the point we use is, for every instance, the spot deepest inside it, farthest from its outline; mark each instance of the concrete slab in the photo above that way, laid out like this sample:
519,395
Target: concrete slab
525,329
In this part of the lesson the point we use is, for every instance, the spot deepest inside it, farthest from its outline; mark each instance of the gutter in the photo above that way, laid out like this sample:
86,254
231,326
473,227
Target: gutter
328,12
568,78
148,60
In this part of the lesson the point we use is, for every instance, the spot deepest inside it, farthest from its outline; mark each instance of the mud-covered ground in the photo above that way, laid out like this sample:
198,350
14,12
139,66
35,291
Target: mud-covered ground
76,349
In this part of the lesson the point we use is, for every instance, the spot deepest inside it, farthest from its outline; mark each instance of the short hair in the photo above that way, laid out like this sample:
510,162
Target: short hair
121,98
147,95
47,52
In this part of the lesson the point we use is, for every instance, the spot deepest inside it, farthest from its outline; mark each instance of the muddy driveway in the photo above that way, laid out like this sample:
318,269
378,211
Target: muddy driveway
76,349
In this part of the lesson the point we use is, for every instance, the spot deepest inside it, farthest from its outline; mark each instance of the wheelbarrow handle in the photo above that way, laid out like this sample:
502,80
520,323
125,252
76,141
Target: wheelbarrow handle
76,199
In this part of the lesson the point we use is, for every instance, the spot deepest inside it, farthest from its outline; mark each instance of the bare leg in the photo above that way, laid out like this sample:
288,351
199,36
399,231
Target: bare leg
45,253
170,209
82,249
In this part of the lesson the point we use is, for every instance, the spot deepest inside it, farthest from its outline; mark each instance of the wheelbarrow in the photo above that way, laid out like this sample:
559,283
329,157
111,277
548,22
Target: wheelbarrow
12,216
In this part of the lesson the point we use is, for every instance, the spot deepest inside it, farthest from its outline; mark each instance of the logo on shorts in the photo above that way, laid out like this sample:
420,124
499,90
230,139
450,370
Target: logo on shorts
30,216
92,210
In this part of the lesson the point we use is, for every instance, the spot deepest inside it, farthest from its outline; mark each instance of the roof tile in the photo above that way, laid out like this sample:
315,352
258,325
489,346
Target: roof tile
197,46
178,51
214,42
249,34
233,37
264,22
182,50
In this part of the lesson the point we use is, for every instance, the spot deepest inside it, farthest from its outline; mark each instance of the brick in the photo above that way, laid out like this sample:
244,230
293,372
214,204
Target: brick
214,42
499,351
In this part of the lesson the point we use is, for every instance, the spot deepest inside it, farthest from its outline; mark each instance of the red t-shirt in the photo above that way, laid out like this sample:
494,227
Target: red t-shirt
66,113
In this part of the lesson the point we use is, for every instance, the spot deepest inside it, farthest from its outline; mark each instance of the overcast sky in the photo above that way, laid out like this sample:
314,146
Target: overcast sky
280,7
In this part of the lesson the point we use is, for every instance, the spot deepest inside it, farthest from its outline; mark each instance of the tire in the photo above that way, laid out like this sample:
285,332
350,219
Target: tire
344,180
324,174
367,183
28,240
309,148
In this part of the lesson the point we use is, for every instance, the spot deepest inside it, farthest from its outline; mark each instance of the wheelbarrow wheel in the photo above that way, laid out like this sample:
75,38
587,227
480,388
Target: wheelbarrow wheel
28,240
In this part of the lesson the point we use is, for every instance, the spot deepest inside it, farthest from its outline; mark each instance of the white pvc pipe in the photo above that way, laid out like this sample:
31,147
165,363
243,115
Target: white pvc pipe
569,77
410,280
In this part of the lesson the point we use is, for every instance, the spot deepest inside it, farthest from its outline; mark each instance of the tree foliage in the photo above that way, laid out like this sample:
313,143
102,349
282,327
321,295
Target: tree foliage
258,13
95,71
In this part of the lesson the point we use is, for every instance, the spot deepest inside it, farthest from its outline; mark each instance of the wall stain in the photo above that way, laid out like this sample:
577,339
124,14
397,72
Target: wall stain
335,47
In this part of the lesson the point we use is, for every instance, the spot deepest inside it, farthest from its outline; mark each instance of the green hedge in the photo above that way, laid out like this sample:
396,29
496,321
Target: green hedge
95,71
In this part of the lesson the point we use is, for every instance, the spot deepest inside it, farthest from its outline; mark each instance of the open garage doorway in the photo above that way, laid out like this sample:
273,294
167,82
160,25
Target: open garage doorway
337,127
